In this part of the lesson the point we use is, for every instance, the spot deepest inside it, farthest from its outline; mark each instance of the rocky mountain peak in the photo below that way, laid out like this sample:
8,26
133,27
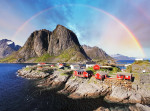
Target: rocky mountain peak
62,39
36,45
61,43
7,47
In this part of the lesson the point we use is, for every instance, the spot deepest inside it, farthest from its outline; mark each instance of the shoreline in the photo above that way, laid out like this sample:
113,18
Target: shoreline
116,91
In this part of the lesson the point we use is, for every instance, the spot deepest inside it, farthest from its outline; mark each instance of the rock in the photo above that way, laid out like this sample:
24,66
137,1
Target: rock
81,88
96,53
135,98
35,46
33,73
139,107
120,94
7,47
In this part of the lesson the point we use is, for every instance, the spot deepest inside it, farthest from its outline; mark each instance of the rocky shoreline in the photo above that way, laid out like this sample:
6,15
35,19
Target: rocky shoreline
120,91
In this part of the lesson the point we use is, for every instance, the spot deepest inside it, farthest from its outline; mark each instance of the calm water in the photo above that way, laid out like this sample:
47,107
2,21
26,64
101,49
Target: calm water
18,94
125,61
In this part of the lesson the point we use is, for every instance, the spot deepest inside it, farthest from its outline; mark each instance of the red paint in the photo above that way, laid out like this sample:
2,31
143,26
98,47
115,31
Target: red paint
96,67
42,63
85,74
127,77
75,73
120,77
99,76
82,74
60,64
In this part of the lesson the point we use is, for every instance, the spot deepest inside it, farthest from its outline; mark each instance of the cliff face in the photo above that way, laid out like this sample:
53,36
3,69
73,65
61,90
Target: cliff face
62,39
7,47
35,46
96,53
61,44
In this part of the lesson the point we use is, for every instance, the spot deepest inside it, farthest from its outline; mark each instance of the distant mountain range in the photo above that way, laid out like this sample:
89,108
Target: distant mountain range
7,47
59,45
122,57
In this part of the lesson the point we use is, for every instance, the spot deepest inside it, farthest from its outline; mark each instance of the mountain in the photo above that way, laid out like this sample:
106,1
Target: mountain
60,45
122,57
7,47
96,53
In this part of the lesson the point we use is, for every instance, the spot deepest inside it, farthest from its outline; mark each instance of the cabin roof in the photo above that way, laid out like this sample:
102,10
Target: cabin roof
102,73
124,73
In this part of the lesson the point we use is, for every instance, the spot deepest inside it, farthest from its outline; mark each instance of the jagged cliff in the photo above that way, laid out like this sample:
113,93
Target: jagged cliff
7,47
60,45
96,53
35,46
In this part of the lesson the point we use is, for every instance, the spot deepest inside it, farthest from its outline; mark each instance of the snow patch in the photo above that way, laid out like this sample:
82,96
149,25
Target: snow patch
10,42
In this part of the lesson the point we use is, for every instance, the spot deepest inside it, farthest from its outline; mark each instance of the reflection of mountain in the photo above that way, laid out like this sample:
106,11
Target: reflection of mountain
96,53
122,57
7,47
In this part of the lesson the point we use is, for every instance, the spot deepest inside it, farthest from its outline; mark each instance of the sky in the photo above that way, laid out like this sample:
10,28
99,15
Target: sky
116,26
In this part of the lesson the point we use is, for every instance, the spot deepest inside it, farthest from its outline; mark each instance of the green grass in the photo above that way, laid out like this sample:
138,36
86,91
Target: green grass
146,62
63,74
111,71
66,55
73,77
27,68
43,58
8,59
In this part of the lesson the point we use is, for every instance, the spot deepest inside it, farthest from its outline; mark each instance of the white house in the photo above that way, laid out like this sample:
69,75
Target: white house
90,64
75,66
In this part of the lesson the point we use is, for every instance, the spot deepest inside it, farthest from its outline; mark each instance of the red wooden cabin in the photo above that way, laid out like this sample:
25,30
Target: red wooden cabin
128,76
120,76
124,75
100,75
96,67
82,73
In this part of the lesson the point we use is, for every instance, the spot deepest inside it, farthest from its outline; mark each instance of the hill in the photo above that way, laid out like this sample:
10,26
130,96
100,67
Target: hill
122,57
96,53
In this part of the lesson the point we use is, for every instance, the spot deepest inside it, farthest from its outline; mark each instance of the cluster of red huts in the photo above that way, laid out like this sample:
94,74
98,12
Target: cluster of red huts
102,75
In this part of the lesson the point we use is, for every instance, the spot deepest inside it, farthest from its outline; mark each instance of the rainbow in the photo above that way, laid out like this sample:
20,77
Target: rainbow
98,9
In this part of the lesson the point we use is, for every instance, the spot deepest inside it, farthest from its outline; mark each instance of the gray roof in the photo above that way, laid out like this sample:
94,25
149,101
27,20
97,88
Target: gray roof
102,73
124,73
